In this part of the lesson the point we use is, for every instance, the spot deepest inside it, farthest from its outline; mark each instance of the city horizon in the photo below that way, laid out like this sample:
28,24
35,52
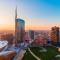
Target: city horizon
29,29
41,15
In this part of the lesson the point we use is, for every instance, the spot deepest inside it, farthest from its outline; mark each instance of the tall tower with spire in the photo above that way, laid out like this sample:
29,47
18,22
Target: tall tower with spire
15,25
19,28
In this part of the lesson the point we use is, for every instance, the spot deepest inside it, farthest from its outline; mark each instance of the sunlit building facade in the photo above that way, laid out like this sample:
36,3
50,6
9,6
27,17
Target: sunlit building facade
55,34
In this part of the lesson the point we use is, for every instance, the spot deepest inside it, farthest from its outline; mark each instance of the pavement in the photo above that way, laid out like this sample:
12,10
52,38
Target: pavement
21,51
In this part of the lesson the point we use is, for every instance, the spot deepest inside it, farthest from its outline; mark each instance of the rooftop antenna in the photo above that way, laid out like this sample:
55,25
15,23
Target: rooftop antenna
15,12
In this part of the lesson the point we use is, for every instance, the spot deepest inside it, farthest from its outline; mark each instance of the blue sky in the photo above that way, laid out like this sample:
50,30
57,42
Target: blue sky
39,14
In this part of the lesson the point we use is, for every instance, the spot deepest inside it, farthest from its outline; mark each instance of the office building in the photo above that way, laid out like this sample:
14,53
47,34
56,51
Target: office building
19,29
31,33
55,34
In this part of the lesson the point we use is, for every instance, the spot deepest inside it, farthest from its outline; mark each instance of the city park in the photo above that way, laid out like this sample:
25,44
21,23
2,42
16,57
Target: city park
42,53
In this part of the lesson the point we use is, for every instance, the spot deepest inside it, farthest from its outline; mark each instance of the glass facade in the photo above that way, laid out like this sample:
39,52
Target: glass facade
20,30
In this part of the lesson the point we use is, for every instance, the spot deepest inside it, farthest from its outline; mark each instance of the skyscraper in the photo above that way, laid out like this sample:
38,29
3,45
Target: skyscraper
31,33
19,28
55,34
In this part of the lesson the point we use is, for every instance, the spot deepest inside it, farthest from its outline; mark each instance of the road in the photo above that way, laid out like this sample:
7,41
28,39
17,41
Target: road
21,52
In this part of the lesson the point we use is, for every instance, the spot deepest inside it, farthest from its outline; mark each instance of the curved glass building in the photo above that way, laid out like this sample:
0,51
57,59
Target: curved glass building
20,30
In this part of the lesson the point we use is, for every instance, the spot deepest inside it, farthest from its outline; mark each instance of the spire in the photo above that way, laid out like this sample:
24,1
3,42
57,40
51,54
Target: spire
16,13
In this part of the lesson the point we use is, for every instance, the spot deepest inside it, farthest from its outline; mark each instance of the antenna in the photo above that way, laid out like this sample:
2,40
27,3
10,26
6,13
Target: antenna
15,12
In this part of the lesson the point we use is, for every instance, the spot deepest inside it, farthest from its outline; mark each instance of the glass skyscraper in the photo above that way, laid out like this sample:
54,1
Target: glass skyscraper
19,29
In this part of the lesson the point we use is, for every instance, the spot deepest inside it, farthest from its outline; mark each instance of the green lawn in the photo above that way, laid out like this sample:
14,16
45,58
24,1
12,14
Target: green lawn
28,56
48,55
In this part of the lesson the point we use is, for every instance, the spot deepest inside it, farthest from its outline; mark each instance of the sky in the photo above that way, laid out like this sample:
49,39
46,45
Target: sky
38,14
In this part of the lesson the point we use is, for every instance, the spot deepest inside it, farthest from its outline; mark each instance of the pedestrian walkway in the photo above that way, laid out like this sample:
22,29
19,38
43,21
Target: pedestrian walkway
37,58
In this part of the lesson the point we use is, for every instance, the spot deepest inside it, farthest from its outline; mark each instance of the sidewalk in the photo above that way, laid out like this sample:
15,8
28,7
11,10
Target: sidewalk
37,58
